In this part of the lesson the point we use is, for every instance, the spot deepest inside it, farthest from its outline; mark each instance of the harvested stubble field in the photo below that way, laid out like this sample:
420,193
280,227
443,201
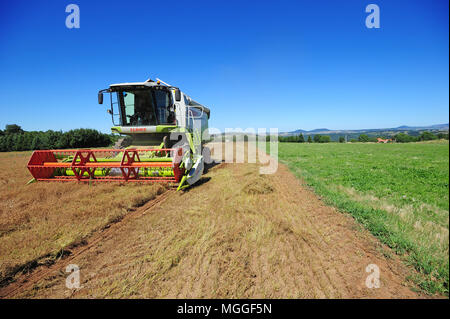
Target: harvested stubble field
39,221
237,234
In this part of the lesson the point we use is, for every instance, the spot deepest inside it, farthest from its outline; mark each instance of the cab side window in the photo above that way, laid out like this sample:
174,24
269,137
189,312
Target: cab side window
162,104
128,99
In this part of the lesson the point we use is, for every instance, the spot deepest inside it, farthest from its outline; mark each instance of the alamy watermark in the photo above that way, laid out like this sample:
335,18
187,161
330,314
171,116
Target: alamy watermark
373,280
73,279
235,146
73,19
373,19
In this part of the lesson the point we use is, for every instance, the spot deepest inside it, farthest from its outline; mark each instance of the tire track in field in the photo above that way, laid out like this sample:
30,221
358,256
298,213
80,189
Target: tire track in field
317,250
339,249
340,252
317,263
301,251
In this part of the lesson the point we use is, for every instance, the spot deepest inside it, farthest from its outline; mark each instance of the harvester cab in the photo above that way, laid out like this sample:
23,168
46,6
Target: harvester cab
167,130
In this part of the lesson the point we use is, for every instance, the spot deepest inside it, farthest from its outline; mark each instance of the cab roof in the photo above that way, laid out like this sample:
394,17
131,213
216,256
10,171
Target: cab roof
151,83
146,83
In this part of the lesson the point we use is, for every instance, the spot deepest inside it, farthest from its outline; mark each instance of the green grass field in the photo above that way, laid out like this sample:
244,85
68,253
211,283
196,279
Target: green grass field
400,192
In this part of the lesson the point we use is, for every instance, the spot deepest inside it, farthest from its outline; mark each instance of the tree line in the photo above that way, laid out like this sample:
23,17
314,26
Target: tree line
364,138
424,136
318,138
14,138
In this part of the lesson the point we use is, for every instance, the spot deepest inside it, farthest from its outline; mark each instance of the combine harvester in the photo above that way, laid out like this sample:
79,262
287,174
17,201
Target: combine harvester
167,129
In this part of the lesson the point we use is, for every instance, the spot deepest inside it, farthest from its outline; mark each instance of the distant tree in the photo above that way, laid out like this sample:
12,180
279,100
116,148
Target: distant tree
51,138
13,129
309,139
440,136
18,142
9,142
324,139
301,138
427,136
341,139
37,144
353,140
317,138
363,138
404,138
28,139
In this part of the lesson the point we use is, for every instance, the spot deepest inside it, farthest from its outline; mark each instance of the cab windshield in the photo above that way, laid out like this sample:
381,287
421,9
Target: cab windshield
139,107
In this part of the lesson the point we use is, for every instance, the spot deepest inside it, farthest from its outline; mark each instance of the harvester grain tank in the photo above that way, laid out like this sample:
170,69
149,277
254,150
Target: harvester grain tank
167,129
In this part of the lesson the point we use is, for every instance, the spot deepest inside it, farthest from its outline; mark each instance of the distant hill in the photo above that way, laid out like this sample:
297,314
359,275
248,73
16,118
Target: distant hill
386,132
443,127
354,134
299,131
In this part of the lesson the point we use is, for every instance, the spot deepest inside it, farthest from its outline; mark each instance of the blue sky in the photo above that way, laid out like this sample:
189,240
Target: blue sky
285,64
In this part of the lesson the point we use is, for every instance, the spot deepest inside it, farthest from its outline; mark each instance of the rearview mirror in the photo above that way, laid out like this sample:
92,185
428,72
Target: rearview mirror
177,95
100,98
